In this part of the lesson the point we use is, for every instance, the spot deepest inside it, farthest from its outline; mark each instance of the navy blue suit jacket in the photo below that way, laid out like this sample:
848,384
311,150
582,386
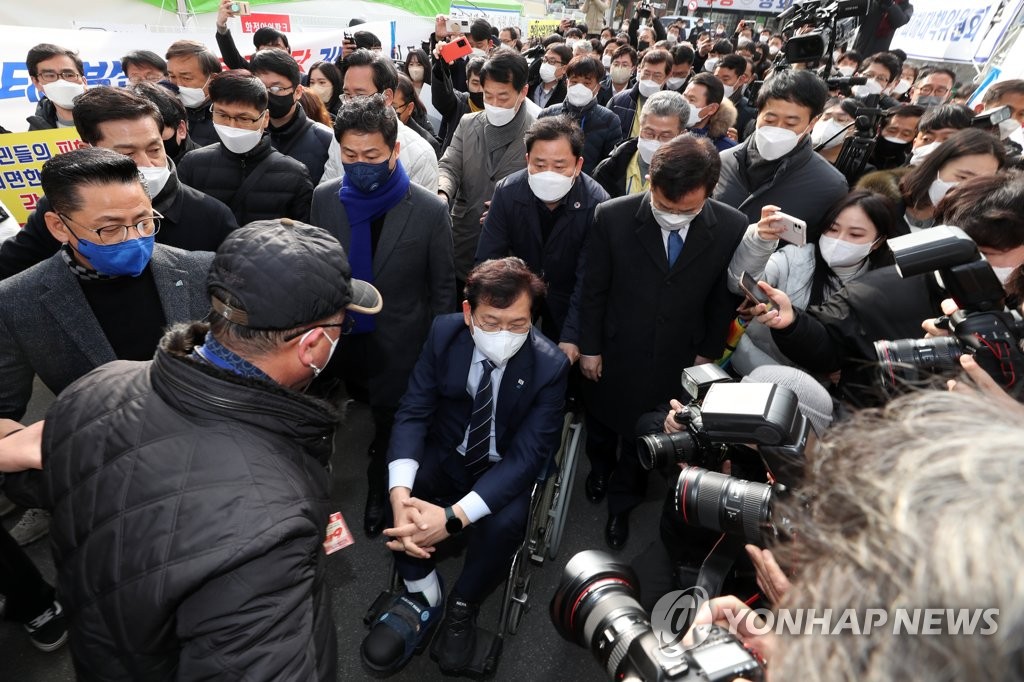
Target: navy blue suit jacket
432,419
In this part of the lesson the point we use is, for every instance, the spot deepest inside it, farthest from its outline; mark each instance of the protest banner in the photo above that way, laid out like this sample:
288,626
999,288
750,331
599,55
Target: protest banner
22,156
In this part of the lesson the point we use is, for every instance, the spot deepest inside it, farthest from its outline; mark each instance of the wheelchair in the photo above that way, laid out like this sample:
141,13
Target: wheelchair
545,526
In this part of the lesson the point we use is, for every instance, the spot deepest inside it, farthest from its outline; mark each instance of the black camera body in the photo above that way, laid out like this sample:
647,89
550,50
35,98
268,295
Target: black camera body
596,606
983,326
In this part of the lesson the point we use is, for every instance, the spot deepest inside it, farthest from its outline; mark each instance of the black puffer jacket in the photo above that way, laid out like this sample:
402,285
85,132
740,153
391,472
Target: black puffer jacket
200,124
189,509
45,117
305,141
283,190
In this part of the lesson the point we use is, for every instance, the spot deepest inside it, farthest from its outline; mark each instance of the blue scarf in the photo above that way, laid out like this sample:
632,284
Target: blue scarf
362,209
215,353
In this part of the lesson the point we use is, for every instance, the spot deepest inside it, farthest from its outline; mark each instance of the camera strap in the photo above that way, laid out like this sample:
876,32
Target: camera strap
719,563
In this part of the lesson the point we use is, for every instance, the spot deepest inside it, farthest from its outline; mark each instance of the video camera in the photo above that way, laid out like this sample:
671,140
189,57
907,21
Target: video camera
824,16
596,606
721,415
983,326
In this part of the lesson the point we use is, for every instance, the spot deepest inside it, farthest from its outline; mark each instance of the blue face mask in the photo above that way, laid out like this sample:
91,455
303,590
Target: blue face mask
367,177
130,257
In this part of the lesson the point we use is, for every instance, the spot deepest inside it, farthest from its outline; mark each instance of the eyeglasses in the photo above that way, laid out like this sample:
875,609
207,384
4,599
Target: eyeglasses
399,109
346,326
278,90
221,117
553,61
491,327
51,76
115,234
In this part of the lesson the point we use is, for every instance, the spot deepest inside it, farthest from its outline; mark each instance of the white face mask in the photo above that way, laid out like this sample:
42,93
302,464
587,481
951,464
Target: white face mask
192,97
550,186
693,118
571,43
823,130
499,346
872,87
845,71
1003,273
901,87
937,190
621,74
547,72
63,93
727,91
579,95
156,177
774,143
416,73
330,353
500,116
675,83
672,221
839,253
647,149
648,88
1008,127
607,61
710,64
764,38
774,50
922,152
238,140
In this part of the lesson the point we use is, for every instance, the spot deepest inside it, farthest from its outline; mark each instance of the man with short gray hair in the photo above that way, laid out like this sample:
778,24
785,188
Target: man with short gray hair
624,172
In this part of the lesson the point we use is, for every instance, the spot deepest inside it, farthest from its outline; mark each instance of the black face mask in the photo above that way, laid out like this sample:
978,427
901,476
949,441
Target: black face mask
477,98
643,46
889,154
280,105
172,147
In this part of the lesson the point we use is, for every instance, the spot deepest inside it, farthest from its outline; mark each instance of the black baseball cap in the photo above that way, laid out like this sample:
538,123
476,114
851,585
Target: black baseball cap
285,274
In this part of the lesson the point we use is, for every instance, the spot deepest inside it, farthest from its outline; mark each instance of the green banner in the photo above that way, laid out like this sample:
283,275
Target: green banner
424,8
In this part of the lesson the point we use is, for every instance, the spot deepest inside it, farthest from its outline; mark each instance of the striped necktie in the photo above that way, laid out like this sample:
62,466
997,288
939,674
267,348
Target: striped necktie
478,442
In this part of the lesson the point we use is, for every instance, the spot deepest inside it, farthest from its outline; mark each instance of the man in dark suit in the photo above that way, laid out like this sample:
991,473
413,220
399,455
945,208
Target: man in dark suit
397,235
481,417
543,215
106,295
655,301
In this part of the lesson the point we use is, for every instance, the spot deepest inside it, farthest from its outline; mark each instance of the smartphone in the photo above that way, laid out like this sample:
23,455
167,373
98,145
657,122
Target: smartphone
749,286
459,47
458,25
796,229
240,8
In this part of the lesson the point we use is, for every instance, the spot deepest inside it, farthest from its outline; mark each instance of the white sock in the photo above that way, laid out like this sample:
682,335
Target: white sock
429,587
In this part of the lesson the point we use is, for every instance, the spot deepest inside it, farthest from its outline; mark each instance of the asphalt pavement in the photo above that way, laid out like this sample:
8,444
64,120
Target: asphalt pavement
359,572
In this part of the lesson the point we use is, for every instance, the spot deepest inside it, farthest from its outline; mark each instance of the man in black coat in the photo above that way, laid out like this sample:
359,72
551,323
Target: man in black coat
655,301
547,76
291,131
531,218
244,171
116,119
190,66
213,463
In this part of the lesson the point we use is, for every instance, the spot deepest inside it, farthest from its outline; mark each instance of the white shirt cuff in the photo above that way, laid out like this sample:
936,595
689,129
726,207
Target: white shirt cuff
402,473
474,507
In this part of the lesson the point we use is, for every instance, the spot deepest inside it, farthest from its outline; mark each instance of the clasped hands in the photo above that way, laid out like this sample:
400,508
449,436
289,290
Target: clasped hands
419,525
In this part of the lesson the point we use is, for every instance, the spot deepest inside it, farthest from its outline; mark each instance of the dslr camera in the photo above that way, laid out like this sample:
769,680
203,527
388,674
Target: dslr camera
723,415
983,326
595,606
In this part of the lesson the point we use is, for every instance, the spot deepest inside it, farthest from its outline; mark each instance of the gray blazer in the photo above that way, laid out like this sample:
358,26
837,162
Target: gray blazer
464,178
412,269
47,327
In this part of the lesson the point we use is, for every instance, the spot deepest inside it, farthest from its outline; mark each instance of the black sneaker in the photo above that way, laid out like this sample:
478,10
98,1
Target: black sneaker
456,641
49,630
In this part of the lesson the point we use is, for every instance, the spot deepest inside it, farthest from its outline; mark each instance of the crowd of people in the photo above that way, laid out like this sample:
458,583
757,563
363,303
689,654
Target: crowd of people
574,223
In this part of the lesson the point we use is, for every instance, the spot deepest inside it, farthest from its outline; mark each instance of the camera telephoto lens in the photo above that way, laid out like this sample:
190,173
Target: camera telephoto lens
909,362
656,450
714,501
596,606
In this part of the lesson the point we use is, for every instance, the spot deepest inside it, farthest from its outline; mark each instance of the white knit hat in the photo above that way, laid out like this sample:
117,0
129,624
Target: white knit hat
815,403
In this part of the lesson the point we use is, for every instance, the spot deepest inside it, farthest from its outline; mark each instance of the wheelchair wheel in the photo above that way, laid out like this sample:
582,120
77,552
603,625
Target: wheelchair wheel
540,518
563,488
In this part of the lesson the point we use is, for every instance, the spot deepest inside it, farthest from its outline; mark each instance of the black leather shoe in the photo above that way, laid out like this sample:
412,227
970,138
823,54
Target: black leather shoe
456,640
597,486
373,517
616,532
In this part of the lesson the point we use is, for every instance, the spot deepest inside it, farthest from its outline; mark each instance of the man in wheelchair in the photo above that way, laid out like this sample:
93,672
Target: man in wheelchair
481,417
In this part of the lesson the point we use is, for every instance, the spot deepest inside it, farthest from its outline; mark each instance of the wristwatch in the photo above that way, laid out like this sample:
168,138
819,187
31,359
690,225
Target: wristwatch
452,523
